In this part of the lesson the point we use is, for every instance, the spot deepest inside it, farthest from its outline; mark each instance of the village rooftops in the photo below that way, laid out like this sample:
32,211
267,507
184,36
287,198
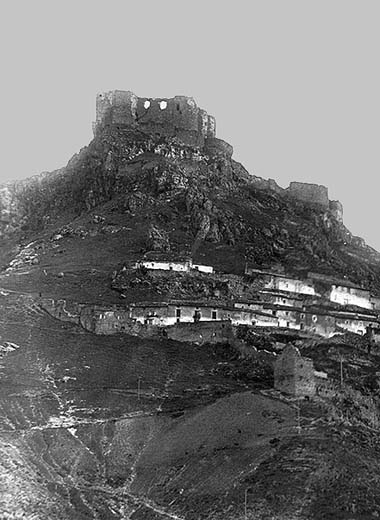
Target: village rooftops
271,273
285,294
193,303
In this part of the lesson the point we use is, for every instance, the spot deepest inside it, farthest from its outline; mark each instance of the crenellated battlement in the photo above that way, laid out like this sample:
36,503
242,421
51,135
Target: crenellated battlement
173,117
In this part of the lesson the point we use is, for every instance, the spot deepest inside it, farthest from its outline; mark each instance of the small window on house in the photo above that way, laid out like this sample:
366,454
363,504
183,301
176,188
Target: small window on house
163,105
283,301
178,313
178,107
302,316
214,315
346,322
288,324
147,104
286,313
302,326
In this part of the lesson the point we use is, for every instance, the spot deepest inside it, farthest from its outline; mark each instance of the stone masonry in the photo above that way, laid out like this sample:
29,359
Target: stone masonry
294,374
178,117
311,193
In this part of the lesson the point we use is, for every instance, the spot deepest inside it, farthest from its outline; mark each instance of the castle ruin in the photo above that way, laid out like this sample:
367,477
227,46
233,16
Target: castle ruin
178,117
311,193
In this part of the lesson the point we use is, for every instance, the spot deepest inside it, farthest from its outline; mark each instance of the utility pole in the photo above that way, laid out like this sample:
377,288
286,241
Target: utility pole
245,503
341,370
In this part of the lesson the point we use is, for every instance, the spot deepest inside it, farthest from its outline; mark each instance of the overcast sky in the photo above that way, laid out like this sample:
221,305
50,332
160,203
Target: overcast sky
294,84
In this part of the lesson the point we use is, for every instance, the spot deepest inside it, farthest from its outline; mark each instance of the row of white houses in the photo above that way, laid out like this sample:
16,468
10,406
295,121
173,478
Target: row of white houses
342,293
315,319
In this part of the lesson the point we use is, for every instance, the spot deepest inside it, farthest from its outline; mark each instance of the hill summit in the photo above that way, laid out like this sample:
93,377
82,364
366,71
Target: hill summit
158,163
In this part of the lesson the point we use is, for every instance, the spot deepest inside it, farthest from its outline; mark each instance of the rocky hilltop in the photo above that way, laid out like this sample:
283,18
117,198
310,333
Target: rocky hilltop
157,163
185,422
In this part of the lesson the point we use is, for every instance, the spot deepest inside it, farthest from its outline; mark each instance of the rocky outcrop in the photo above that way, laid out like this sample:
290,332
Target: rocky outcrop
158,240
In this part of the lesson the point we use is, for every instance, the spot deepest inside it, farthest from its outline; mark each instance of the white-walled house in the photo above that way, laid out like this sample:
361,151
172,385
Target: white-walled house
375,300
170,313
163,266
183,267
282,282
350,295
282,298
202,268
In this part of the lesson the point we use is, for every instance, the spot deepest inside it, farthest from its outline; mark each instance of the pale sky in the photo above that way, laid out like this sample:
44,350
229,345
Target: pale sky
294,84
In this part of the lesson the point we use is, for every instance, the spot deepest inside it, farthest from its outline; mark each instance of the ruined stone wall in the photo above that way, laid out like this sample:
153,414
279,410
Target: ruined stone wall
294,374
62,309
311,193
200,333
117,106
178,117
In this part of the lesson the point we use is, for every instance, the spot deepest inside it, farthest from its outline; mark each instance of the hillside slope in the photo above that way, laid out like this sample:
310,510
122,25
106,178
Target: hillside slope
115,427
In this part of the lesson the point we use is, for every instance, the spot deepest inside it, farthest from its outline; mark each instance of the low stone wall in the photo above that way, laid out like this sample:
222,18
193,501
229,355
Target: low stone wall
201,332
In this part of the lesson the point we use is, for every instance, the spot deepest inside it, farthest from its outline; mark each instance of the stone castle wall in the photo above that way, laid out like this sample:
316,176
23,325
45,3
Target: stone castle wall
171,117
311,193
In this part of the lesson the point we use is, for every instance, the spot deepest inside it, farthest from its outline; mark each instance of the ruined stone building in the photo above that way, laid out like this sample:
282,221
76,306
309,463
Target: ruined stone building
179,118
310,193
294,374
